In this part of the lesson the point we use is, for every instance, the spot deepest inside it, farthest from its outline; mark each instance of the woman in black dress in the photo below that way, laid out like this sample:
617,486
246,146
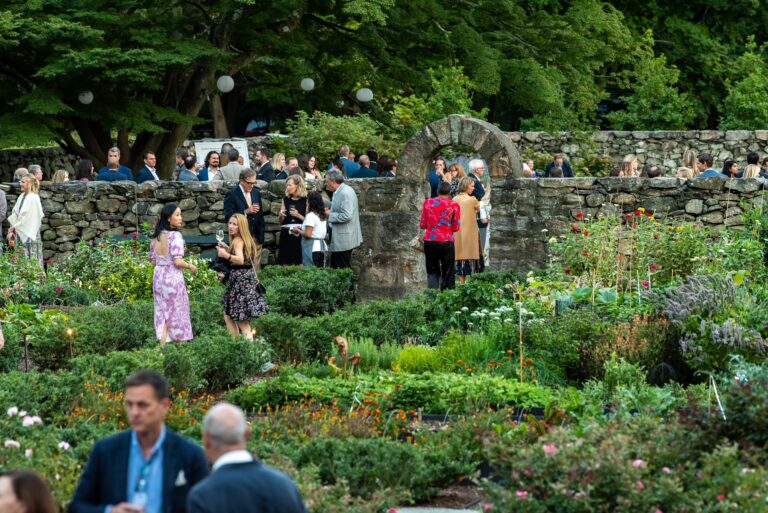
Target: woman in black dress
292,212
242,300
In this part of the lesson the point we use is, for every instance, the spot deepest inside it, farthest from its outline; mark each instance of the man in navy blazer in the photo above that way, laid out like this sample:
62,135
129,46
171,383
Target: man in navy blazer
149,171
148,469
235,203
239,483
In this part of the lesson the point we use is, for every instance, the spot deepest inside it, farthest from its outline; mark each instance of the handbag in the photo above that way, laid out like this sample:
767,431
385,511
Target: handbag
260,288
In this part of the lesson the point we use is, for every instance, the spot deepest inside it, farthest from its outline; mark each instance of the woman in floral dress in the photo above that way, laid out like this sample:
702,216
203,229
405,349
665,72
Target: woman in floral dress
242,299
171,300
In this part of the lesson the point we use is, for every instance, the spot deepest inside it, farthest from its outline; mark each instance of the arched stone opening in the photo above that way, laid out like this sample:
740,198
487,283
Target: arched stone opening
499,153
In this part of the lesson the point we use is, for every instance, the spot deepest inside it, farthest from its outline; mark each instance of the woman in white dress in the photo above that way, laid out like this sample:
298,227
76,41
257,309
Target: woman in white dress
26,219
313,231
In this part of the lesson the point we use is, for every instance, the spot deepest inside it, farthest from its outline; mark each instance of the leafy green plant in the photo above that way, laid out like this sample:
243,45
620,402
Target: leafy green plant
417,358
307,292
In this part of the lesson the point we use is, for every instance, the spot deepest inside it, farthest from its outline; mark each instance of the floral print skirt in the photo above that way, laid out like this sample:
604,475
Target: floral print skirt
242,302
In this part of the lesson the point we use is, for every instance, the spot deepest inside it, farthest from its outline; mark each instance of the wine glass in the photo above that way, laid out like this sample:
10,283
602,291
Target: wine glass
220,235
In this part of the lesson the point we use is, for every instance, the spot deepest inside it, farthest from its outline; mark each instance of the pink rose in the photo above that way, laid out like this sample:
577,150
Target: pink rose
666,470
550,449
521,494
12,444
487,506
638,463
13,410
640,485
27,421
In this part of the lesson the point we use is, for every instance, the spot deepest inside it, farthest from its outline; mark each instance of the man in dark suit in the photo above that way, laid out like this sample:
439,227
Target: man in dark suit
147,469
559,161
246,199
266,171
239,483
149,171
364,171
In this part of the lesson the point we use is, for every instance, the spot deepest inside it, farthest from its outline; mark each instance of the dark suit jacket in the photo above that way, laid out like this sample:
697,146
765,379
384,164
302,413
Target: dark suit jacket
144,175
366,172
282,175
245,488
123,170
266,173
234,203
566,167
105,478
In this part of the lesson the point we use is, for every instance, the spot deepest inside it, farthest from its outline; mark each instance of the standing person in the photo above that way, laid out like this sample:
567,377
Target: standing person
278,164
313,231
114,171
210,167
344,219
188,172
456,174
293,208
313,169
436,175
242,300
36,171
704,163
440,218
364,171
171,299
26,220
689,162
85,170
468,239
146,469
266,172
476,172
23,491
246,199
233,169
60,176
3,212
149,171
239,483
559,162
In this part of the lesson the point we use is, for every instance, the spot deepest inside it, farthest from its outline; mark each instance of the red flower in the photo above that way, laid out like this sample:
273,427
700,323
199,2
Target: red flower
135,235
567,270
721,498
585,254
135,251
646,284
648,214
628,216
59,290
575,229
580,215
634,225
638,213
586,233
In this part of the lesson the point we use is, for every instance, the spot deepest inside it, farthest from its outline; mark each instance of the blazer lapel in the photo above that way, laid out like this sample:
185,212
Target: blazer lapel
169,470
121,467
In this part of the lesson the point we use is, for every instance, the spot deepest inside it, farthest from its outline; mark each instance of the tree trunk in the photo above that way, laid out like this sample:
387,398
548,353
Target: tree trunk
220,127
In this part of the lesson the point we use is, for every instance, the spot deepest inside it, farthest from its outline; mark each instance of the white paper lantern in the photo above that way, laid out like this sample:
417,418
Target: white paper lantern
364,95
307,84
86,97
225,83
340,104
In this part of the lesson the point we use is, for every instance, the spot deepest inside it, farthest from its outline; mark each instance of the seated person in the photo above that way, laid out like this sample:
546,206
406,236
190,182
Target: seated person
559,162
556,172
650,171
705,168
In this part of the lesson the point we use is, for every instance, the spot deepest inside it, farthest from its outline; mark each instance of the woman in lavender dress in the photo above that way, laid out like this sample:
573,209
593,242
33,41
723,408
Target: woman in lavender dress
171,299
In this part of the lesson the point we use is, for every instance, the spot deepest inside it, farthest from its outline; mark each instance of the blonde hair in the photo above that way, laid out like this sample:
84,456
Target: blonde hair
249,245
301,189
752,171
464,184
684,172
690,160
60,176
626,165
276,158
456,168
34,184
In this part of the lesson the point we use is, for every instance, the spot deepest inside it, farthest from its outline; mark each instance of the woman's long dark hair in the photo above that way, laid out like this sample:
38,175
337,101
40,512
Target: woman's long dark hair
165,220
32,491
316,204
728,167
84,169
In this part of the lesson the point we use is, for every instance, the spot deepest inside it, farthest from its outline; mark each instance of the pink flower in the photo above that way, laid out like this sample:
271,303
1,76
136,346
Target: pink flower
521,494
487,506
550,449
64,446
666,470
59,290
658,511
13,410
28,453
392,510
638,463
37,420
640,485
27,421
646,284
720,498
23,413
12,443
654,267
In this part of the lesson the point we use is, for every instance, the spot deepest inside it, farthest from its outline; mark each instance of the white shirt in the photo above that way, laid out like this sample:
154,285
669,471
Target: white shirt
319,230
154,172
241,456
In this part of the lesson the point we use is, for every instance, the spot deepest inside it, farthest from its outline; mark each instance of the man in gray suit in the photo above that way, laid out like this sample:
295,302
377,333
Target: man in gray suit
344,219
239,483
3,211
232,170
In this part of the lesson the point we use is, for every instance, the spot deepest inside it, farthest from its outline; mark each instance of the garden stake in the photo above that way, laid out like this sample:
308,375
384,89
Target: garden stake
520,327
713,386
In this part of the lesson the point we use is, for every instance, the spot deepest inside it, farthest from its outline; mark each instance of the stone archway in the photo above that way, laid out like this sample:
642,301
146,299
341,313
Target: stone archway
488,141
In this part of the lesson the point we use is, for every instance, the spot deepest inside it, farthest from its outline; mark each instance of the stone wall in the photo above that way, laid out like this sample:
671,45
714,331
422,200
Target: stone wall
51,159
524,208
387,265
659,147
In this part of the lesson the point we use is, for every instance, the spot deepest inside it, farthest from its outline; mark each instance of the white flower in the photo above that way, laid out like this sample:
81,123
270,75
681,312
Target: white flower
552,240
64,446
507,321
28,421
544,230
464,309
13,410
28,453
37,420
22,413
12,443
57,477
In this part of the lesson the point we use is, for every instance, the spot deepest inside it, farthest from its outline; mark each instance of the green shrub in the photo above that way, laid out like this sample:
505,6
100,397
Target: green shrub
115,367
416,358
300,291
373,357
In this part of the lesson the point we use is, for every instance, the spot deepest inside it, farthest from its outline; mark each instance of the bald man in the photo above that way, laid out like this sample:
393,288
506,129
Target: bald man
239,482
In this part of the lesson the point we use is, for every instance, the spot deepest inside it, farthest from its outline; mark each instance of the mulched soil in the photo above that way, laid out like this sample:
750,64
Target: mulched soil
464,495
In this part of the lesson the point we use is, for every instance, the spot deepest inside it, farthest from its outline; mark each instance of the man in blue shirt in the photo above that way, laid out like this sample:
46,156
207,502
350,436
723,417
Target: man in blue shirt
704,165
147,469
350,166
113,171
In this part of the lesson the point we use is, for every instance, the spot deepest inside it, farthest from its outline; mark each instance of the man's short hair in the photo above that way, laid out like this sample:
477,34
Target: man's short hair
264,151
556,172
344,150
151,378
225,424
443,188
114,149
247,173
148,153
706,159
34,168
182,153
753,158
364,160
189,162
233,154
475,164
651,171
20,173
335,175
225,148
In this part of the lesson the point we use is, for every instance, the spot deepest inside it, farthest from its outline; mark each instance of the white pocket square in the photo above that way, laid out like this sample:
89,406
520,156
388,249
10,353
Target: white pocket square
181,479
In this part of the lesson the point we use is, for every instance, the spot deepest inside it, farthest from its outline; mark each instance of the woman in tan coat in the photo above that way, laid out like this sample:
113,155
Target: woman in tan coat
468,237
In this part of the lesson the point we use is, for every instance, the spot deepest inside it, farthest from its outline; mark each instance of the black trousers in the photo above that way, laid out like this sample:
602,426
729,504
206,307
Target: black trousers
441,265
341,259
